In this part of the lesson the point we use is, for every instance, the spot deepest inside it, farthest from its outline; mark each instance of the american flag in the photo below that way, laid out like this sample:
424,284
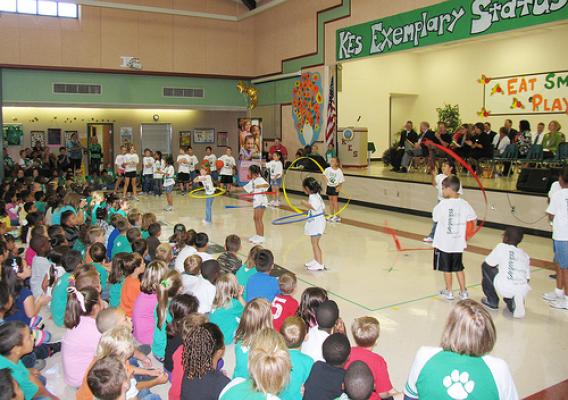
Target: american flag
331,116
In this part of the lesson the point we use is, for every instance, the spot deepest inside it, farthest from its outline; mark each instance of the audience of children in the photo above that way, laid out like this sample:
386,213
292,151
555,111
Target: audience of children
186,307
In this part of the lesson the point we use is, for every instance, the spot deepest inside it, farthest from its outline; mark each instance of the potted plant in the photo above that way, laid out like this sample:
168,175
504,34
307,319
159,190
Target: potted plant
450,114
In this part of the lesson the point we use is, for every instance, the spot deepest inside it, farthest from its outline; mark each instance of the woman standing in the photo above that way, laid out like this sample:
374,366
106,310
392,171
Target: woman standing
75,152
95,155
131,162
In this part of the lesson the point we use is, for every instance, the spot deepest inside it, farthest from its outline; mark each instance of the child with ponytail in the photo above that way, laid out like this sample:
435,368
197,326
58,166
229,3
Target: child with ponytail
143,312
69,261
116,279
228,306
81,339
167,289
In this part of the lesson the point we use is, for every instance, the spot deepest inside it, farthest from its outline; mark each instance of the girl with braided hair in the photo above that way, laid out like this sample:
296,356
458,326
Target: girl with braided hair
202,350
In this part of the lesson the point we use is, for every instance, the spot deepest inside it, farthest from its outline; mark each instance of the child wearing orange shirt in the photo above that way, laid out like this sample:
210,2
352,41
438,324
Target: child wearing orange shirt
133,267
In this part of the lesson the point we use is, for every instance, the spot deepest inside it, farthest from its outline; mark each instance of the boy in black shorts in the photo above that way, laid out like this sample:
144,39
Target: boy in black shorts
452,216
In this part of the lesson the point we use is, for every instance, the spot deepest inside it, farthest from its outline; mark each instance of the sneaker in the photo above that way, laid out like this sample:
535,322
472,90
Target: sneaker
169,209
206,222
316,266
464,295
336,219
135,198
310,263
553,276
446,294
39,364
428,239
260,240
519,307
559,304
253,239
552,296
276,203
488,305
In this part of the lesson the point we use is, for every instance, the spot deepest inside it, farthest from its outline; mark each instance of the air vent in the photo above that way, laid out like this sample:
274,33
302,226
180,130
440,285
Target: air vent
184,92
76,88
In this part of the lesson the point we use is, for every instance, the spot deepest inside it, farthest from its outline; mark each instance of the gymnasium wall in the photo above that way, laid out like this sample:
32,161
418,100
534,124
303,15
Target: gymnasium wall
446,74
76,119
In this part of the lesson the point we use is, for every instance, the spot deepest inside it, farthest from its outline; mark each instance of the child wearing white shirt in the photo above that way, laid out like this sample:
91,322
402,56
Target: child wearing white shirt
147,171
506,272
228,170
315,223
212,160
158,172
193,163
334,177
452,216
183,161
276,171
169,183
205,179
558,212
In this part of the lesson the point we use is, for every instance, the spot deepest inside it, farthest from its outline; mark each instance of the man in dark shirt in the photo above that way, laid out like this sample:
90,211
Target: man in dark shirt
419,149
487,129
408,137
511,132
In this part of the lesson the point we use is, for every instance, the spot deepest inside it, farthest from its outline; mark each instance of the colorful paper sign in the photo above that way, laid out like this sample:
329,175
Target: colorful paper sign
544,93
307,104
444,22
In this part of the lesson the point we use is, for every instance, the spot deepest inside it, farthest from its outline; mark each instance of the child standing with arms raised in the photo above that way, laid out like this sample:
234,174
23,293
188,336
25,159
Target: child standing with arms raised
334,177
451,215
315,224
206,180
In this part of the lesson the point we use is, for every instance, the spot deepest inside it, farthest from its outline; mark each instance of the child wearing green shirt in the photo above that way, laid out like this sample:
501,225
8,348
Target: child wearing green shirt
248,269
98,255
116,279
228,306
167,289
69,261
121,243
294,331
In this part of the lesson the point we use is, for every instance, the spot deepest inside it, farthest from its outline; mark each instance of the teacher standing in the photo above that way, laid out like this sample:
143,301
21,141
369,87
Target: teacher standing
75,152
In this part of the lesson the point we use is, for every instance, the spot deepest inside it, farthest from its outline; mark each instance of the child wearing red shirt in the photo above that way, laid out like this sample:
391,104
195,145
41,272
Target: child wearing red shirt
284,305
365,331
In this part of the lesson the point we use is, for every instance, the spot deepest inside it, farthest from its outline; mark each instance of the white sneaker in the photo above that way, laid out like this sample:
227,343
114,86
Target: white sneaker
428,239
253,239
260,240
519,307
336,219
276,203
169,208
135,198
559,304
464,295
316,266
446,294
206,222
552,296
310,263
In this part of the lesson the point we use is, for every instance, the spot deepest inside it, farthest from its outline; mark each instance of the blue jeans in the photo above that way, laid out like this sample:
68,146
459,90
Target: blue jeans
147,181
208,209
145,394
158,187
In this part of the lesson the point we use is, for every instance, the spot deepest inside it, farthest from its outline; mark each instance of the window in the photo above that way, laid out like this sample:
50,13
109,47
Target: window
54,8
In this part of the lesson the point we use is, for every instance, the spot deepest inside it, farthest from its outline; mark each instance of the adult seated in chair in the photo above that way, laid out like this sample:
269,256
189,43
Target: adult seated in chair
552,139
511,132
408,137
461,135
419,149
500,142
479,144
487,129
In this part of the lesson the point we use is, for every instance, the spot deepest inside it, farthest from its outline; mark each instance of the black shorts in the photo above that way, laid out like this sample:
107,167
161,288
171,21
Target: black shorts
130,174
331,191
183,177
447,262
227,179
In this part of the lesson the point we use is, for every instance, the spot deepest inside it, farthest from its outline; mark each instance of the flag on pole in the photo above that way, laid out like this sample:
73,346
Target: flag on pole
331,116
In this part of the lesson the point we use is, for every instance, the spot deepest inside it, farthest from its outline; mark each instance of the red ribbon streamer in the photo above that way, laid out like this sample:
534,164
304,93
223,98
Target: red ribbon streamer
472,172
257,194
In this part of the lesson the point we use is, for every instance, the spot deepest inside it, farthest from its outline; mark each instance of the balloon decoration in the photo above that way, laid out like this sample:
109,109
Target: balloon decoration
307,104
250,92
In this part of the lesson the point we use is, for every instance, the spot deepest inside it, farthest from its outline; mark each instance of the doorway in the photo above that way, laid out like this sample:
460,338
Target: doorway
104,134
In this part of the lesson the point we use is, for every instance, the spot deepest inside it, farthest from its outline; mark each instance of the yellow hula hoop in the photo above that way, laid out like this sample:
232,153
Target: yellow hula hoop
296,209
218,192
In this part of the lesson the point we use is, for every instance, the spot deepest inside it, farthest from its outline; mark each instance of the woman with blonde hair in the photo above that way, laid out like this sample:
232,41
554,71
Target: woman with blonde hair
461,367
269,367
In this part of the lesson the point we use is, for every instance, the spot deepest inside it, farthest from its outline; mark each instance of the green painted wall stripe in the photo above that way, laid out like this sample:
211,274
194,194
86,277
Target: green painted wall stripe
33,86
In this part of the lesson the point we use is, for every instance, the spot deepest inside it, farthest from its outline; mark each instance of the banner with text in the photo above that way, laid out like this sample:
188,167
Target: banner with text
444,22
545,93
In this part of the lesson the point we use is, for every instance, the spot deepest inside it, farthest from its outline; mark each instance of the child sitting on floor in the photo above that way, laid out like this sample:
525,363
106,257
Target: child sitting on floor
228,306
294,332
284,305
228,260
262,284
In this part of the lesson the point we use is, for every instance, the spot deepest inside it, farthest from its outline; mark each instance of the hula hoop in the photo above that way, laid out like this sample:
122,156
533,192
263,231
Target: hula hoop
218,192
257,194
287,199
289,219
473,174
238,206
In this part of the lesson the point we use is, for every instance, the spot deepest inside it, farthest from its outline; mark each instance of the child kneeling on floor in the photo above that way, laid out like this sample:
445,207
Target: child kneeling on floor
506,272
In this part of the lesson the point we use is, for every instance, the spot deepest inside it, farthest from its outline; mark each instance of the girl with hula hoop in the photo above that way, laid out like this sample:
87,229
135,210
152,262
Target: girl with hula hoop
257,186
205,179
315,224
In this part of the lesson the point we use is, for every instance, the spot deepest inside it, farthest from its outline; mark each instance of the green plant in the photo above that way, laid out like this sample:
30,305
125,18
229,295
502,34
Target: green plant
450,114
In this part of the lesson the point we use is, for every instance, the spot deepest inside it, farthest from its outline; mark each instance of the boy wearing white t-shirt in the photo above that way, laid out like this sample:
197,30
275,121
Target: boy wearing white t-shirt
193,163
228,169
452,216
506,272
147,171
183,161
558,212
212,160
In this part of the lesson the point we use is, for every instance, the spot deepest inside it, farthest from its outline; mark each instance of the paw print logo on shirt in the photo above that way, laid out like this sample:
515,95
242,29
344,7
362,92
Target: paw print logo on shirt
458,385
